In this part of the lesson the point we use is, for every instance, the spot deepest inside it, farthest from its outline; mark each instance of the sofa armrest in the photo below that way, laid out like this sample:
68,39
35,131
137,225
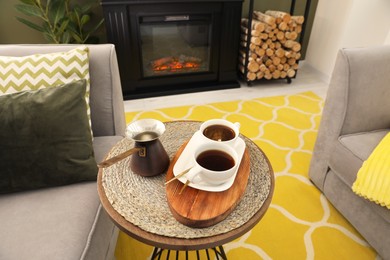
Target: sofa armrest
106,99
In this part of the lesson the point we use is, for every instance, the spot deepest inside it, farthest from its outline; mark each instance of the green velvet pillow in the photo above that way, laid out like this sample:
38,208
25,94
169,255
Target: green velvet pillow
45,138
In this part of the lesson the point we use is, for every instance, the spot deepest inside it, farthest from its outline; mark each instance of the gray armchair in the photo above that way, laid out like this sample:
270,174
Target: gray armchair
355,118
68,222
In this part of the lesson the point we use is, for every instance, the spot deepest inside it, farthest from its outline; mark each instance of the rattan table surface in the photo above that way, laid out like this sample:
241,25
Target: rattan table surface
138,205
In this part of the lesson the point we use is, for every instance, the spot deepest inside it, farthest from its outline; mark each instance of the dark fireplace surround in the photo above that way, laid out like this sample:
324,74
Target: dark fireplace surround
204,47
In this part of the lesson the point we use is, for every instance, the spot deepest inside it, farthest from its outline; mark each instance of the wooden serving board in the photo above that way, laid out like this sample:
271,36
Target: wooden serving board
199,208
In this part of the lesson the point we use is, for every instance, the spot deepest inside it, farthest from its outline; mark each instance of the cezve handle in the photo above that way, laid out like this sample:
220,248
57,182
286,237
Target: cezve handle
111,161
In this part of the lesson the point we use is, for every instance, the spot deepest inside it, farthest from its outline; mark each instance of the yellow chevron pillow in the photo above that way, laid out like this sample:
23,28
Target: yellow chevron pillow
44,70
373,178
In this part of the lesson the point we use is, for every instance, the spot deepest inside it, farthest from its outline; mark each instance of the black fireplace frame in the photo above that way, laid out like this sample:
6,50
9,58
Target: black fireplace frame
122,25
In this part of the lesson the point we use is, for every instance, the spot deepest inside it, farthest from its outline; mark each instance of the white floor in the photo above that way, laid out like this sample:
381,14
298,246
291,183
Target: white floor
307,79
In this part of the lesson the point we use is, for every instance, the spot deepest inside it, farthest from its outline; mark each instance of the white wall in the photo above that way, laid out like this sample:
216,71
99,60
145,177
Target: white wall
345,24
387,41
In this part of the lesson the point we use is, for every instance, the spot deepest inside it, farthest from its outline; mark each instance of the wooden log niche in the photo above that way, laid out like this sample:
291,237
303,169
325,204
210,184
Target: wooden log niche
273,52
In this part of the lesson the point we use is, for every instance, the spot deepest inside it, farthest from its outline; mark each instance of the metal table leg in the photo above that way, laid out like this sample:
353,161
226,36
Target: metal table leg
218,251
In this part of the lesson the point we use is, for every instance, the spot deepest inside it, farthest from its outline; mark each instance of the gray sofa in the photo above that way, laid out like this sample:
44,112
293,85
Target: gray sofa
355,118
68,222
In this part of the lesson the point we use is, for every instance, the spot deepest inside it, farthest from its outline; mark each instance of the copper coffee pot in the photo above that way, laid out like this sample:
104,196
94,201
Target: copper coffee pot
149,156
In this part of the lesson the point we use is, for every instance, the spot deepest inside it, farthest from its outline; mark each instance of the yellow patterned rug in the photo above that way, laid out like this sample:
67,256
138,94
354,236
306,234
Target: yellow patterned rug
300,223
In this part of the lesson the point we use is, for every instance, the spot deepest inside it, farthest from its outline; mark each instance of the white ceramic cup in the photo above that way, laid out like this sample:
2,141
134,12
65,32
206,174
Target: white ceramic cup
228,135
207,161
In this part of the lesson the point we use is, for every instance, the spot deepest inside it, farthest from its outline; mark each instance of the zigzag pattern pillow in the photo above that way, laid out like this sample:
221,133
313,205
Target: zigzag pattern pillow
44,70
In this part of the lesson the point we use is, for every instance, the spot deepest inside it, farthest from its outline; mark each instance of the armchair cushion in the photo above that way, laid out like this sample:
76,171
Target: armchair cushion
373,178
45,138
348,155
350,151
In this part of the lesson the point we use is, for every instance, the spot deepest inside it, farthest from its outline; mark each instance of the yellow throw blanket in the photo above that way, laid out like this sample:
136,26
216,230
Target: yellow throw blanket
373,178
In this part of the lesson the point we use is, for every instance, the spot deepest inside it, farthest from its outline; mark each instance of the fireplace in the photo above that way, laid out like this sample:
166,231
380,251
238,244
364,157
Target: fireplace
169,47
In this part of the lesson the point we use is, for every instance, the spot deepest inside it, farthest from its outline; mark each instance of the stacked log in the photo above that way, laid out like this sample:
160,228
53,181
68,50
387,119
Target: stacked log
273,50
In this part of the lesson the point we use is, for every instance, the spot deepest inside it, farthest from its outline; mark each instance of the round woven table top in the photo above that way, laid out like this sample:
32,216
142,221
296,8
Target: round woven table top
139,207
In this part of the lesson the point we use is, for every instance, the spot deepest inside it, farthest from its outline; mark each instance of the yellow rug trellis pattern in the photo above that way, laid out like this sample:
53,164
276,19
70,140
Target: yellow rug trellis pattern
300,223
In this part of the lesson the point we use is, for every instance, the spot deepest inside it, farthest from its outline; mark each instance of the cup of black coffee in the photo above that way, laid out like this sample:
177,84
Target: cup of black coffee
213,163
220,130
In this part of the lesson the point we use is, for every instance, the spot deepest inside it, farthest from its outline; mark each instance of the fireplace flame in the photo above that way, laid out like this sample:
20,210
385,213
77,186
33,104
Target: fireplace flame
172,64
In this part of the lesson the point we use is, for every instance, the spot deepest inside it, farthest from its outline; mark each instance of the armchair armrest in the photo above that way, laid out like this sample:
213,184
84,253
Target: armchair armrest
357,101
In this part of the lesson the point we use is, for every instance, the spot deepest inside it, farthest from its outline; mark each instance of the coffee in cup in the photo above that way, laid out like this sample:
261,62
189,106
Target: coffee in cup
220,130
213,163
215,160
219,133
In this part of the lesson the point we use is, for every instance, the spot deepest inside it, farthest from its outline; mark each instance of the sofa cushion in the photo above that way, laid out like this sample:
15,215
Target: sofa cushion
348,156
38,71
52,223
45,138
65,222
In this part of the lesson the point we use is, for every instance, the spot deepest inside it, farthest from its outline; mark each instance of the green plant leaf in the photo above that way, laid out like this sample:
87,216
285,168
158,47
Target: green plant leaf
77,37
47,38
72,27
50,37
84,19
76,16
66,38
59,13
63,26
30,24
29,10
28,2
48,29
63,21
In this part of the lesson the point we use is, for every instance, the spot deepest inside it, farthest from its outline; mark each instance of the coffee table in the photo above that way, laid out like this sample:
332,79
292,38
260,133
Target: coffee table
138,205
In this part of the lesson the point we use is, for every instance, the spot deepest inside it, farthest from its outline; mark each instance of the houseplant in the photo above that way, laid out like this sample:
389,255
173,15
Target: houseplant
60,21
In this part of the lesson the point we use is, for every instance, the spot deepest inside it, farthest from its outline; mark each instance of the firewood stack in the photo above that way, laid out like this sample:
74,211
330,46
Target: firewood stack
273,50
